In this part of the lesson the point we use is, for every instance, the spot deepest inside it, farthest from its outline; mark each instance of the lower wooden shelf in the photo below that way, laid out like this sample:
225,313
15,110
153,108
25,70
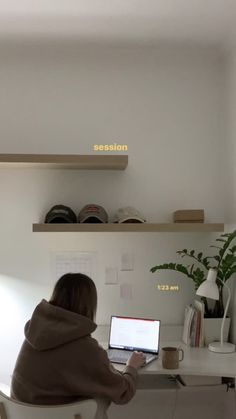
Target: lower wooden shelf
129,227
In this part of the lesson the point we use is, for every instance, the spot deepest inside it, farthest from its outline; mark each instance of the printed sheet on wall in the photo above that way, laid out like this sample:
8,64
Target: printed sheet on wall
65,262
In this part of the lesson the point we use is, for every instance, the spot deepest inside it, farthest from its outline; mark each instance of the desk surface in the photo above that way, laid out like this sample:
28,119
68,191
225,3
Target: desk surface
197,361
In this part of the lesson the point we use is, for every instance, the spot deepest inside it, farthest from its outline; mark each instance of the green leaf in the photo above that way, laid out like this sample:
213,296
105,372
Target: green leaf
230,272
198,276
221,253
191,268
172,266
228,260
182,269
233,249
182,252
205,262
163,266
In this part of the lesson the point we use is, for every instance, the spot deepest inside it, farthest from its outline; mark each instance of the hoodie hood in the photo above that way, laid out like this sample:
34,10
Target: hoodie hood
51,326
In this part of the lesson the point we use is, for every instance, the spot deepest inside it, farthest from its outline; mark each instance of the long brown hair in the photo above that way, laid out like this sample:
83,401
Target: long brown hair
76,292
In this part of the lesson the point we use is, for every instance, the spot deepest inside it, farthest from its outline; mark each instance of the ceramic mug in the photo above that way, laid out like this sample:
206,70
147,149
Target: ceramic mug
171,357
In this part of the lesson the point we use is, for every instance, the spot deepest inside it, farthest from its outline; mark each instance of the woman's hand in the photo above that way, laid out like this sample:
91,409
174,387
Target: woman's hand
136,360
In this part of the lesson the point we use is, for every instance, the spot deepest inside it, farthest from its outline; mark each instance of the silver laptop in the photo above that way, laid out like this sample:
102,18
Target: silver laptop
128,334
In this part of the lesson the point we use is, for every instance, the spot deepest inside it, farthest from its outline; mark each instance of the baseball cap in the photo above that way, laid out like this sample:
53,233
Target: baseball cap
60,214
93,213
129,215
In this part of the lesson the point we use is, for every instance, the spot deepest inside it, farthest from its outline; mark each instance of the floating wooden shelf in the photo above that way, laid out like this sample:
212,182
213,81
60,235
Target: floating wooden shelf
65,161
132,227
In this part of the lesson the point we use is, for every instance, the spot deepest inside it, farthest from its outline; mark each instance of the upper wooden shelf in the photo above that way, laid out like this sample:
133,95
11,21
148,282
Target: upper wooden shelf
65,161
132,227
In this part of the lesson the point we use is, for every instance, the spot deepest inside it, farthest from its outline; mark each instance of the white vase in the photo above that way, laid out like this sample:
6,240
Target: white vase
212,330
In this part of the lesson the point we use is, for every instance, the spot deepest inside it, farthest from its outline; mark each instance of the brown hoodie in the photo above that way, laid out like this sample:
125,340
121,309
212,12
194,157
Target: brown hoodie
59,362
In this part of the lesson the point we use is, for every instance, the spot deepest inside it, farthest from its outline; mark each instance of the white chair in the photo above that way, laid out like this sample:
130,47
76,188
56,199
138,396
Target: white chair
5,389
86,409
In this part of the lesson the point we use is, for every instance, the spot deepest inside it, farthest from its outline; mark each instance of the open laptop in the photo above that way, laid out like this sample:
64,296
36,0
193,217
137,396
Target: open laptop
128,334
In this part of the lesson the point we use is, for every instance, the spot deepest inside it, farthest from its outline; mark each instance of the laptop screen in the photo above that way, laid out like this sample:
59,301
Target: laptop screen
134,334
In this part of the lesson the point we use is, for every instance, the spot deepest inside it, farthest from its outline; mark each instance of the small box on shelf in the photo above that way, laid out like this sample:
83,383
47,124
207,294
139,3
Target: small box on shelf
189,216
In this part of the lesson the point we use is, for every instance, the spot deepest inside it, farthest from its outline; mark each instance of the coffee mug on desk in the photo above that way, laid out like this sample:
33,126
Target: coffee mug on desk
171,357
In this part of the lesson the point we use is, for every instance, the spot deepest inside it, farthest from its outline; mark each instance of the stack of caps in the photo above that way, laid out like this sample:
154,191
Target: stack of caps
91,213
189,216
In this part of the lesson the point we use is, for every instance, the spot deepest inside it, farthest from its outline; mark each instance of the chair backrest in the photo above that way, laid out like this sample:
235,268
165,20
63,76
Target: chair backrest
11,409
5,389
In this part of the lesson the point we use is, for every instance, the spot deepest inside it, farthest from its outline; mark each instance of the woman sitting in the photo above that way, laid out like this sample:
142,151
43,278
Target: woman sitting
59,362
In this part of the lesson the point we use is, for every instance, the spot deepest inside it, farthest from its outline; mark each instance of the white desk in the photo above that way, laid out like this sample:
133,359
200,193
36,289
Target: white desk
168,402
171,400
197,361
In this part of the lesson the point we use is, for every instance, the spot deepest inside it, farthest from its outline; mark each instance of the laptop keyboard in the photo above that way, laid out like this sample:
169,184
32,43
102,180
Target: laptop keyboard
121,357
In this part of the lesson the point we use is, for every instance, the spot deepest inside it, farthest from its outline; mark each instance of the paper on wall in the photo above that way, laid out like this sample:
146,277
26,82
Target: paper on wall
126,292
111,276
127,262
65,262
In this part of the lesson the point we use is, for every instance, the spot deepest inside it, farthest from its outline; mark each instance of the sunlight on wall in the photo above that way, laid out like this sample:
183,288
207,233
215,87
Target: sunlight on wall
17,301
10,313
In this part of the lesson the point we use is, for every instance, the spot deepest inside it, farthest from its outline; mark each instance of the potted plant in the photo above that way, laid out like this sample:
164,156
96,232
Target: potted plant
224,262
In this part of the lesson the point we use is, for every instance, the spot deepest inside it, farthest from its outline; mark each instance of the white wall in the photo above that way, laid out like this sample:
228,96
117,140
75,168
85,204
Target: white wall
230,150
166,105
231,132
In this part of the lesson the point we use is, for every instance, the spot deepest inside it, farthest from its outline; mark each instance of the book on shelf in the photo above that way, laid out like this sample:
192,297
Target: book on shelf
193,330
188,317
199,305
198,329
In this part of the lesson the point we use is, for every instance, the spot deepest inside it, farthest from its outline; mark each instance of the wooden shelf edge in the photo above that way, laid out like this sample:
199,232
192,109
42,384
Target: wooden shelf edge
132,227
65,161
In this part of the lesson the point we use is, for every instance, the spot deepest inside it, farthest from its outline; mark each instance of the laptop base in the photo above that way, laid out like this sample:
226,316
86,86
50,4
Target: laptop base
119,356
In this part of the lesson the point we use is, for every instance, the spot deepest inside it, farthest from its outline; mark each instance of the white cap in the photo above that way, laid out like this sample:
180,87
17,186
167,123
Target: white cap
128,214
